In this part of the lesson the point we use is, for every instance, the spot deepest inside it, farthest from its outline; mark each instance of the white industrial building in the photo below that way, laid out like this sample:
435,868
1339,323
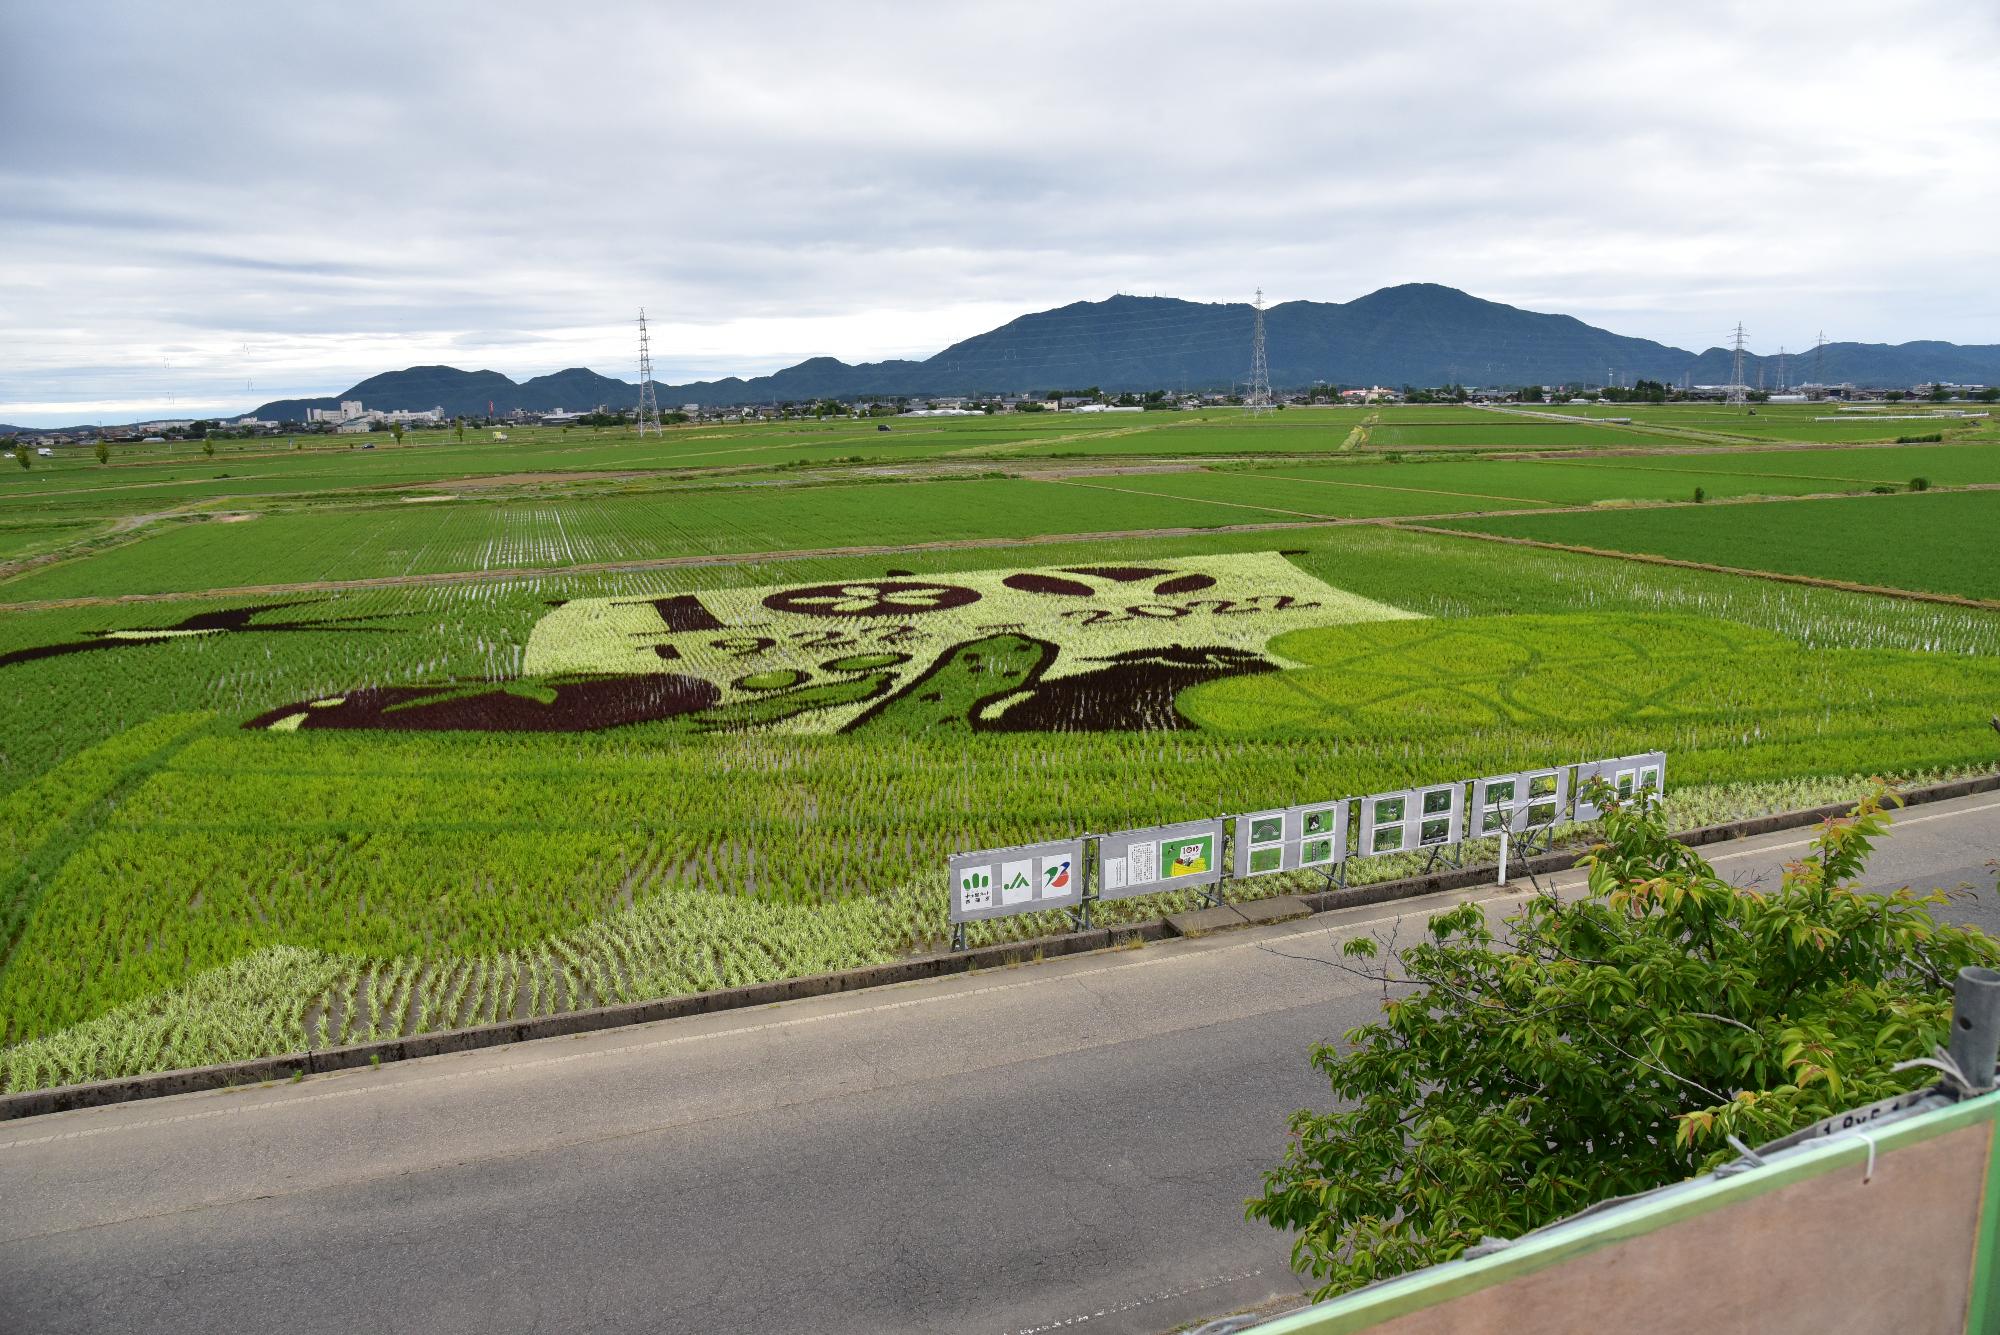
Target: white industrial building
352,412
348,410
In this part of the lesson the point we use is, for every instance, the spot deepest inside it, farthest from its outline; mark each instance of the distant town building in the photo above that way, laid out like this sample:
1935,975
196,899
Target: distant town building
351,412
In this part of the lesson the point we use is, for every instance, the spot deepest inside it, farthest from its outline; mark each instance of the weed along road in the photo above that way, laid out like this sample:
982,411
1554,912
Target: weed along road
1061,1146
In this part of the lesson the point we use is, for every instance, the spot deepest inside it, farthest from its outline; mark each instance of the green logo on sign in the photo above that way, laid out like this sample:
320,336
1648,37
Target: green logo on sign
976,880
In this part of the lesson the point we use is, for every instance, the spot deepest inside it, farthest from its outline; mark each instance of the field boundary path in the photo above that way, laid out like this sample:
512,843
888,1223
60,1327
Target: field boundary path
1648,558
731,558
1304,520
110,533
1664,430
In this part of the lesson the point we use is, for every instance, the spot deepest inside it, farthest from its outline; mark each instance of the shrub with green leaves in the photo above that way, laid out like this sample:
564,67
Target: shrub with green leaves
1608,1044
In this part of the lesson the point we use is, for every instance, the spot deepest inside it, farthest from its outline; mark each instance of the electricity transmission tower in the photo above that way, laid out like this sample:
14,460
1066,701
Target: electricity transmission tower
1781,368
1736,385
649,403
1259,398
1819,353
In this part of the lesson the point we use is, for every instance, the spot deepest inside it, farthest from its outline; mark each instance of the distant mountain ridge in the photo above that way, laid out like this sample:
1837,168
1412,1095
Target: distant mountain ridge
1416,333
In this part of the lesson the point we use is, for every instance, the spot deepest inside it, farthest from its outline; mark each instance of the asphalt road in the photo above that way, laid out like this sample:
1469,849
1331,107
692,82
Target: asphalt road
1064,1146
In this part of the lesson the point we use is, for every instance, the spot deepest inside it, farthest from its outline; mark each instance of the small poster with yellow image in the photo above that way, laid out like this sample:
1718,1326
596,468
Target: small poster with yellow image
1189,856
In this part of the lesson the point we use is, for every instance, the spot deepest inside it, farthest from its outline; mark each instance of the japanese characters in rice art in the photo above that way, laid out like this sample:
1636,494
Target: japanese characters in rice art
1076,648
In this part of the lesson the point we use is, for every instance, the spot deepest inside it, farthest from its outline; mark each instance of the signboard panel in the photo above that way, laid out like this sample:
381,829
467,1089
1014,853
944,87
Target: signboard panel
1440,815
1627,775
1310,835
1428,817
1322,833
1528,800
1385,823
1266,842
1161,857
998,882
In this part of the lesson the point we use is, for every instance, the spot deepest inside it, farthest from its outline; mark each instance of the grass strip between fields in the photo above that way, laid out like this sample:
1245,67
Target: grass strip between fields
1421,491
1710,469
1649,558
1199,500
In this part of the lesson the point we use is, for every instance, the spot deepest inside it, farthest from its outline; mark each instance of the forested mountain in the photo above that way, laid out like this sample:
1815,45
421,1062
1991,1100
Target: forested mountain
1418,334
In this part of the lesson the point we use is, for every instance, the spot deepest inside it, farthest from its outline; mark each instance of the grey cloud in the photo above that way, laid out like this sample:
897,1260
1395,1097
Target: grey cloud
466,177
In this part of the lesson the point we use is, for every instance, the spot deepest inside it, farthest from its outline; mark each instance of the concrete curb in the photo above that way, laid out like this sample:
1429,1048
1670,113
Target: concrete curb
261,1070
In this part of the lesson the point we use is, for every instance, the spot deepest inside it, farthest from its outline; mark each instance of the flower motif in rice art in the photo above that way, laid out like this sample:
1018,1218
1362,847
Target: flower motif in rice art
871,600
1073,648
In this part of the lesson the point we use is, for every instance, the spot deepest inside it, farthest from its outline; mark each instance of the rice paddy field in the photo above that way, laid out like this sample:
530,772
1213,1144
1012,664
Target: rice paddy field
1929,542
307,746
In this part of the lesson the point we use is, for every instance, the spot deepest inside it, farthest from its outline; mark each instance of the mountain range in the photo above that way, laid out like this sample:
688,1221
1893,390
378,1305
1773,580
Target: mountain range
1415,333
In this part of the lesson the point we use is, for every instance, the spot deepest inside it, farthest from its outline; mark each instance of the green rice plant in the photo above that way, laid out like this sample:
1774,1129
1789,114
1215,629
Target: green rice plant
278,999
1681,679
459,878
1939,542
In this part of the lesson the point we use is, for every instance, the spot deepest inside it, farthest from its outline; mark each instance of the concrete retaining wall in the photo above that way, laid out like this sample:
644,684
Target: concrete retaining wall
32,1103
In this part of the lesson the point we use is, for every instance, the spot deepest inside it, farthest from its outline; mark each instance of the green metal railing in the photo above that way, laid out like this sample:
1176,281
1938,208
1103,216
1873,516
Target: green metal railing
1886,1218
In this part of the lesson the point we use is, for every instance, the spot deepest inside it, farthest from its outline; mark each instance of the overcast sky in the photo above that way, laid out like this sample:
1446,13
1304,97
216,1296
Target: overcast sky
203,207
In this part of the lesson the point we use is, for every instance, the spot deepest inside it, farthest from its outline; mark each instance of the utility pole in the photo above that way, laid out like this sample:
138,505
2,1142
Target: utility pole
649,404
1259,398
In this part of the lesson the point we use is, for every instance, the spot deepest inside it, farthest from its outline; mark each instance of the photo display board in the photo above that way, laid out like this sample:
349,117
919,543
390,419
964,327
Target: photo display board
1627,776
1313,834
1161,857
1028,878
999,882
1428,817
1532,799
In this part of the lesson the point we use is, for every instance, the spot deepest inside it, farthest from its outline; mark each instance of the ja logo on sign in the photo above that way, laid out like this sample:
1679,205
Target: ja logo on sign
1017,881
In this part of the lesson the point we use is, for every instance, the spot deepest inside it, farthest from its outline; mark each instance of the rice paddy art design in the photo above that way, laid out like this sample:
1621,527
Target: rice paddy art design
1076,648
